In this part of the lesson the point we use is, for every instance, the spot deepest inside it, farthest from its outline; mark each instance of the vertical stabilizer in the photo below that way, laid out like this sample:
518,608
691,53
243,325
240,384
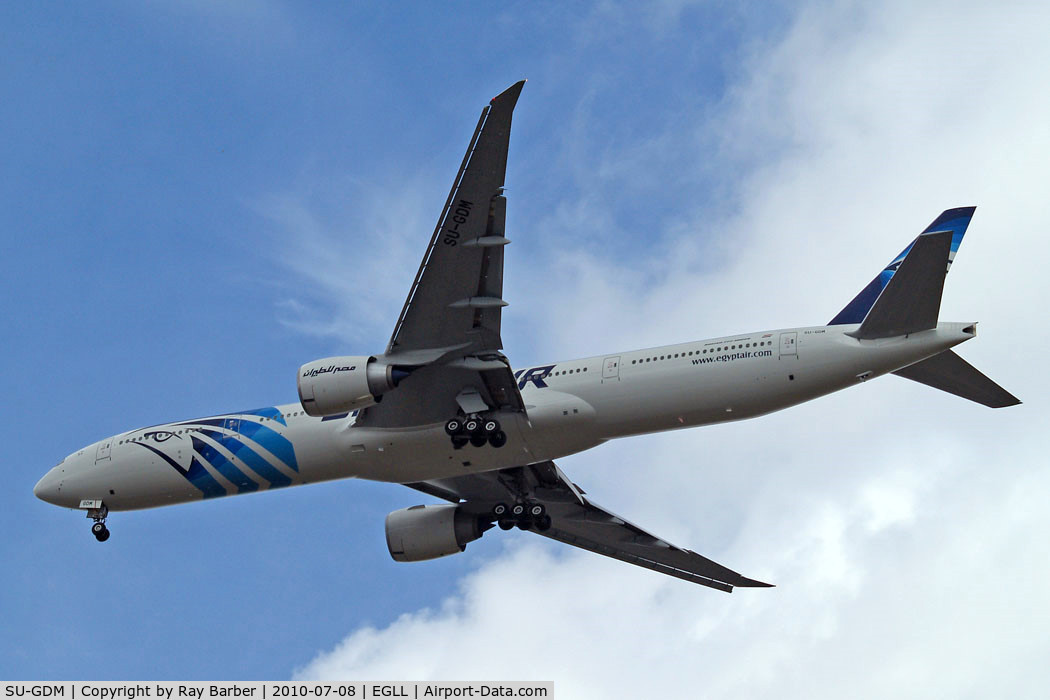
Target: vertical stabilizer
954,220
911,300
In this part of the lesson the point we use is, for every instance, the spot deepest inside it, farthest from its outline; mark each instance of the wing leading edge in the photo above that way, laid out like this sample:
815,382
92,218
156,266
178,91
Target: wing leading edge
578,521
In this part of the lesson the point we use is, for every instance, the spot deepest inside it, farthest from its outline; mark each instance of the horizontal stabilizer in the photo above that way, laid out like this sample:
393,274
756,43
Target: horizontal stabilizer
949,372
911,300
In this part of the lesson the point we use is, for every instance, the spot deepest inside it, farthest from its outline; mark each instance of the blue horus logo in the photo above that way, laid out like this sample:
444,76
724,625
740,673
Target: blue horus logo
237,453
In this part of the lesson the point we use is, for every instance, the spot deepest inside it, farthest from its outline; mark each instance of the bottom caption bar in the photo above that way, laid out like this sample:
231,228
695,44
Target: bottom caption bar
259,690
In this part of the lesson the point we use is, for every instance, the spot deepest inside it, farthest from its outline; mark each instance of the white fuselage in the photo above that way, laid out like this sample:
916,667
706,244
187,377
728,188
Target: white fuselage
571,406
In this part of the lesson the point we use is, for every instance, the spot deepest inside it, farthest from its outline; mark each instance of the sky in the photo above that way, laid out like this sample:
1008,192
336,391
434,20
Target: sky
199,197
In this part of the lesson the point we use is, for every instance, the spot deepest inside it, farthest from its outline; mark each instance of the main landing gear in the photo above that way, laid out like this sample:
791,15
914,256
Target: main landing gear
475,430
523,514
98,528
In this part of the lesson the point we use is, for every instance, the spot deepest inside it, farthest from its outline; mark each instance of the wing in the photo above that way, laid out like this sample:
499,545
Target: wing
450,324
456,297
578,521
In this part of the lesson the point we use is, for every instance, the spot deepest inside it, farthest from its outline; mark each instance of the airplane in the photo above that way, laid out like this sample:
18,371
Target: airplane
443,412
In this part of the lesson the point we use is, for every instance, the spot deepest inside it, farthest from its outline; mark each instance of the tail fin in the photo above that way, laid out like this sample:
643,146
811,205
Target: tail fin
911,300
949,372
953,220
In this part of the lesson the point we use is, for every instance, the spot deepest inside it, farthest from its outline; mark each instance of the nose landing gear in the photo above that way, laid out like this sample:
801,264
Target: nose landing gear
475,430
98,512
100,531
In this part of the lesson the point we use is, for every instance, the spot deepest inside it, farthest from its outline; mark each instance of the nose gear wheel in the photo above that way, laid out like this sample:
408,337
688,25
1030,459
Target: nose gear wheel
98,528
100,531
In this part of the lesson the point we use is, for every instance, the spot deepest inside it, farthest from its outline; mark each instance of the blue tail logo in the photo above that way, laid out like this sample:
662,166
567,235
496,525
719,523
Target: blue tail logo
954,220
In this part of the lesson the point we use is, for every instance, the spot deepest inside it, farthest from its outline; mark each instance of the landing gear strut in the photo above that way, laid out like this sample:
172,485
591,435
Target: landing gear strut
475,430
98,528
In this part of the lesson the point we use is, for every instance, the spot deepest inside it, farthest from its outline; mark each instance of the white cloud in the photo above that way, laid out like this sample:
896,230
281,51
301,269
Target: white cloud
908,613
903,526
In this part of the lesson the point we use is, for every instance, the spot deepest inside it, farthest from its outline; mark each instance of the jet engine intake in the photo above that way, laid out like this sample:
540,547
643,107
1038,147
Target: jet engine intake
428,532
340,384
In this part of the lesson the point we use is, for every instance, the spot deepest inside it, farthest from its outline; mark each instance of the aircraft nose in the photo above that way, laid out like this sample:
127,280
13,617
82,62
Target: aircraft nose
47,488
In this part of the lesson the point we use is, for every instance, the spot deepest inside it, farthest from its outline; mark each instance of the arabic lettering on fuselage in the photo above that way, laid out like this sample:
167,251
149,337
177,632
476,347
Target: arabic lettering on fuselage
331,368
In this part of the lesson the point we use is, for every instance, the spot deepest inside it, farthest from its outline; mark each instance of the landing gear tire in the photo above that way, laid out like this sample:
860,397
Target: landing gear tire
525,515
100,531
475,430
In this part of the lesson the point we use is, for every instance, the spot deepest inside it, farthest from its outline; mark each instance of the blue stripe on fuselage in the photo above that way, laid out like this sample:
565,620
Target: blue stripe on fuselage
277,445
224,466
269,412
196,474
256,462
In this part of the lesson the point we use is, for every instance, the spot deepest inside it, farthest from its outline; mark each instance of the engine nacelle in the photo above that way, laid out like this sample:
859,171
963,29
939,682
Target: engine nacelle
428,532
340,384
